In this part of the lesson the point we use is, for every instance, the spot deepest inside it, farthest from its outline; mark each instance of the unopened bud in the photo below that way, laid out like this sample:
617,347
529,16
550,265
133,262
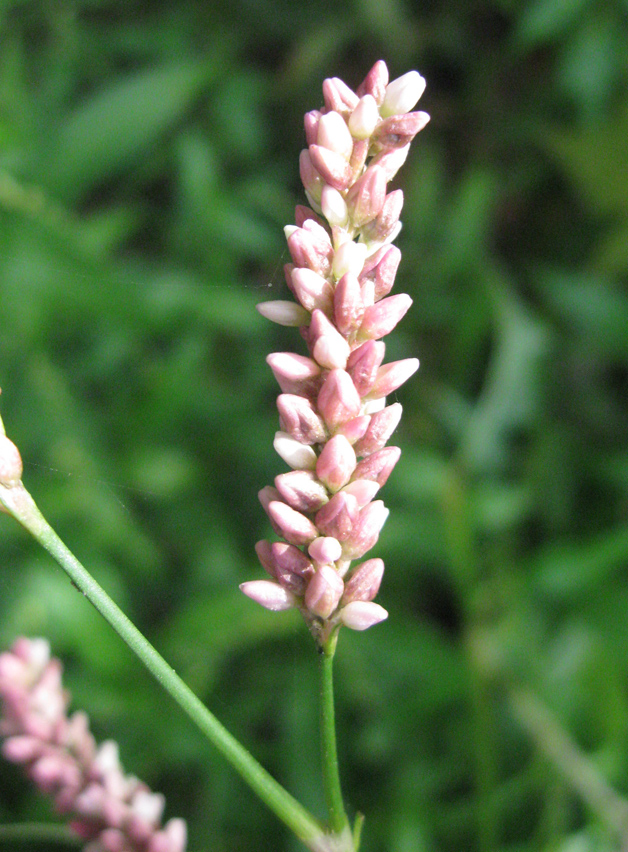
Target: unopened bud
334,135
325,550
364,118
334,207
360,615
10,463
336,463
298,456
324,591
364,582
270,595
402,94
375,82
284,313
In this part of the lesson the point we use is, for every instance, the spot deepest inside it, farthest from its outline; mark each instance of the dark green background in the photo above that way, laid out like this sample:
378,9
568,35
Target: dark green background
148,162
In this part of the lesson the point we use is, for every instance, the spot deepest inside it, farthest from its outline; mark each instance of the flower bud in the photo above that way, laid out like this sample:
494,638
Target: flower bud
293,526
381,426
366,197
378,466
325,550
363,490
297,455
366,530
375,82
284,313
391,160
310,178
387,225
334,207
312,290
338,96
354,429
360,615
329,347
324,591
302,490
265,555
364,362
364,582
310,123
402,94
338,517
332,167
266,496
270,595
364,118
392,376
349,258
295,374
298,418
336,463
338,400
400,130
380,319
303,214
334,134
308,249
10,463
348,305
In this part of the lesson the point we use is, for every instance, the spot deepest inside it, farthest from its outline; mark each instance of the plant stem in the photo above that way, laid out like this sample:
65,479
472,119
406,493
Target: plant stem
20,504
338,821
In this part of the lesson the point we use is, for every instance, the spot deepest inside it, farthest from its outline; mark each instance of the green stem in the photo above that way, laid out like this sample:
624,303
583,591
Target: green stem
338,821
36,833
20,504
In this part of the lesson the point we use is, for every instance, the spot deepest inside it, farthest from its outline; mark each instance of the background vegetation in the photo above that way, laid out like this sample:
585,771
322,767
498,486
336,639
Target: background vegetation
148,162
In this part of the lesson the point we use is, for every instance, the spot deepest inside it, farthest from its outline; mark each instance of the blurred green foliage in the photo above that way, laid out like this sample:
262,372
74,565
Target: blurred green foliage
148,162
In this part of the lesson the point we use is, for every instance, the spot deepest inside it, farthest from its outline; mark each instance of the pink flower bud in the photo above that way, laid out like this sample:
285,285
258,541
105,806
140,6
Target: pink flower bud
312,290
310,122
310,178
10,463
380,319
284,313
386,270
366,530
354,429
400,130
358,157
325,550
334,207
375,82
266,496
302,490
364,118
392,376
294,527
338,96
270,595
293,567
332,167
364,582
391,160
22,749
348,305
297,455
381,426
338,517
338,400
295,374
265,555
364,362
363,490
360,615
336,463
308,250
402,94
334,134
378,466
303,214
349,258
366,197
298,418
386,226
324,591
329,347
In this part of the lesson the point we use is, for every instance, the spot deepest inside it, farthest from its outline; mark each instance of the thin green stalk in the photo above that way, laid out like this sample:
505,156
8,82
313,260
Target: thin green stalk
36,834
338,821
20,504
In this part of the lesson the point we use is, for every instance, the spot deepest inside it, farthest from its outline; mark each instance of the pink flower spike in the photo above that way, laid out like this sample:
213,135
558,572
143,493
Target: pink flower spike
338,400
360,615
324,591
380,319
364,582
302,490
381,426
338,96
364,118
329,347
348,305
366,197
336,463
294,527
295,374
284,313
375,82
378,466
270,595
392,376
402,94
325,550
333,168
334,134
298,418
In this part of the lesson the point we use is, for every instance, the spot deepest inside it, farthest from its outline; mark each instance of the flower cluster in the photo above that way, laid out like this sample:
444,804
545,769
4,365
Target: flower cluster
113,812
334,421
